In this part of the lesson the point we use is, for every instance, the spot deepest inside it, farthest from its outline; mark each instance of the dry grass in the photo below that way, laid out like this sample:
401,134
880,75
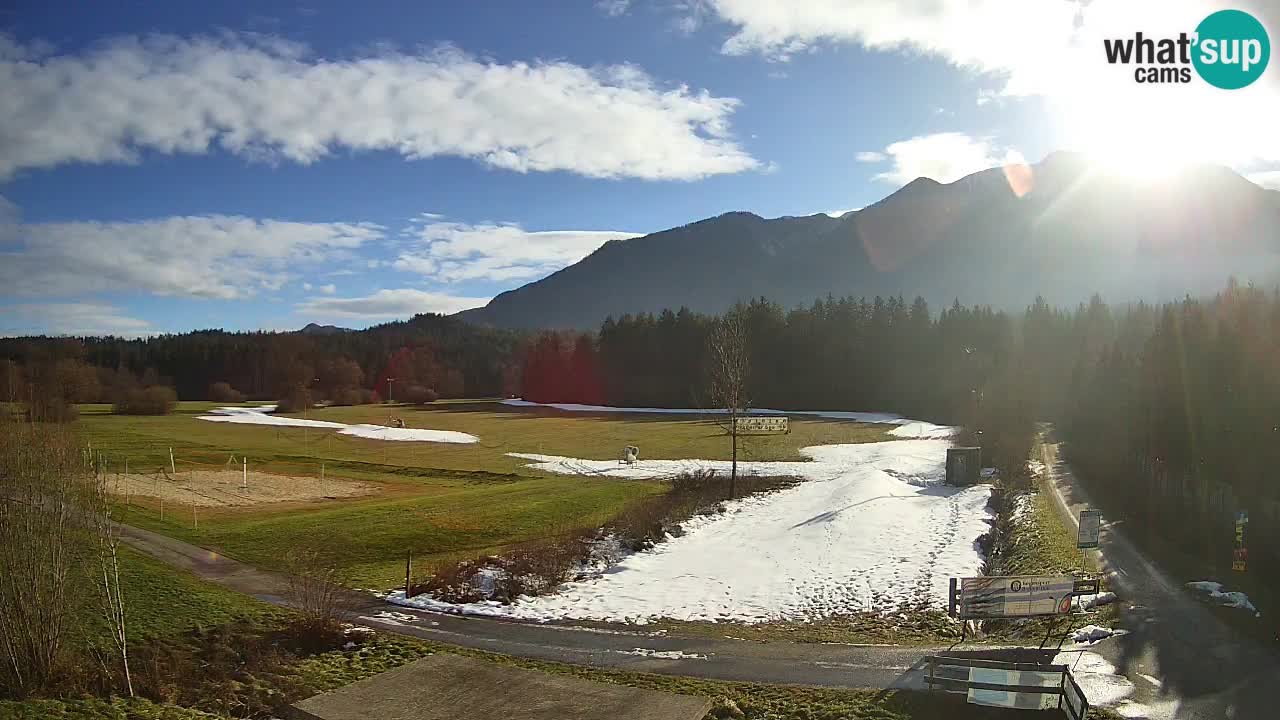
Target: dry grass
229,488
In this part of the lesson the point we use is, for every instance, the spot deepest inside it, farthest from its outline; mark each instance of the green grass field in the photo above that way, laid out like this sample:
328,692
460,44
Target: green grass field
443,502
145,441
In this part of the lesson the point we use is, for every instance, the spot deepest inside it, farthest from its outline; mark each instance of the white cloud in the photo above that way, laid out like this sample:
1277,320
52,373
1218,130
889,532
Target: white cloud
267,99
306,286
77,318
945,157
1267,178
207,256
389,304
329,289
841,213
452,252
870,156
1047,48
613,8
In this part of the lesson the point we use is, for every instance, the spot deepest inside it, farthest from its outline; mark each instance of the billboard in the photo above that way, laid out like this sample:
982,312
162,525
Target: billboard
758,425
1090,529
1014,596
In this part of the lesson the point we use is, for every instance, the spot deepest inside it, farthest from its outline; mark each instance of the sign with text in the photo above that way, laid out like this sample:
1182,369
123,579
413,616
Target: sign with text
1090,529
1240,555
1014,596
758,425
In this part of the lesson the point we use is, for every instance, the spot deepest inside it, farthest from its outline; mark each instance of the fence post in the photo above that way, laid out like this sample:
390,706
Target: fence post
408,573
244,481
172,469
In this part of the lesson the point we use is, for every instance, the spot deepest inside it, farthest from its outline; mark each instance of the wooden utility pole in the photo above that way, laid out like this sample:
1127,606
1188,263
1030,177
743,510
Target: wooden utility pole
408,573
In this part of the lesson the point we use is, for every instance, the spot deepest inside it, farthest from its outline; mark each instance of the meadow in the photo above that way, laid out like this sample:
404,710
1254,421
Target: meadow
443,502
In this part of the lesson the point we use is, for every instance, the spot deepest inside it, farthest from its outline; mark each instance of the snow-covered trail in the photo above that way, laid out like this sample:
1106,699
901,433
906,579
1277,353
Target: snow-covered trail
872,527
259,416
907,428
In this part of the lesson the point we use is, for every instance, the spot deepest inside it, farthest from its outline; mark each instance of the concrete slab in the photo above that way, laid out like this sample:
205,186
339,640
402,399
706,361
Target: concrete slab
445,687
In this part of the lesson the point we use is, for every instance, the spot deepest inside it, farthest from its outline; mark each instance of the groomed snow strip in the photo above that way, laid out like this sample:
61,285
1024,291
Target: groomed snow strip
906,428
260,416
873,527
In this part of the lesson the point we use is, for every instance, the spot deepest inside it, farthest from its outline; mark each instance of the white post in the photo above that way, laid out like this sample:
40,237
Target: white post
321,472
244,482
172,469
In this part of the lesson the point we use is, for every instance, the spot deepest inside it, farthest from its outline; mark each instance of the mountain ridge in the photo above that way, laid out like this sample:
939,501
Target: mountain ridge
999,236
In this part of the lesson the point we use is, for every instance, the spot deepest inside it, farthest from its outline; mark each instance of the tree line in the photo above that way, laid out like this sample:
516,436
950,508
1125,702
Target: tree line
425,357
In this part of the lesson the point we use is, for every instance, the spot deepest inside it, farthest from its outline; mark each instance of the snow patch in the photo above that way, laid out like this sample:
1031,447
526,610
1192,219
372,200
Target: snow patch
1097,678
907,428
398,619
663,654
871,529
261,416
1227,599
1090,634
1089,602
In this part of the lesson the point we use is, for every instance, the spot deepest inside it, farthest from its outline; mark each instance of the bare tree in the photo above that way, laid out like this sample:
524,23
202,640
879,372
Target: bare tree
314,590
728,375
107,570
44,483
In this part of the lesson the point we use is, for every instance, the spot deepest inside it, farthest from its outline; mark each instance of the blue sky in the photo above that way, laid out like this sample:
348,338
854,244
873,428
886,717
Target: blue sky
169,166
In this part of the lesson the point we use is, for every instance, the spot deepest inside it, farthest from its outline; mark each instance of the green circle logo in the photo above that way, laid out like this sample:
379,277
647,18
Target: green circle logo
1233,49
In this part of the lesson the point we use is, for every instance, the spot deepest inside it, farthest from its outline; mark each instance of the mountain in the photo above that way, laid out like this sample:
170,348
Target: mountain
1001,236
317,329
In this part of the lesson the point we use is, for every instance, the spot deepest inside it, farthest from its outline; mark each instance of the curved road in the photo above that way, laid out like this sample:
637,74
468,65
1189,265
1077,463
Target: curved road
833,665
1205,668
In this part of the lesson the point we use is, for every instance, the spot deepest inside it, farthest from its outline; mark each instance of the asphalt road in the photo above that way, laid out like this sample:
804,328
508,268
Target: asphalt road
1205,668
832,665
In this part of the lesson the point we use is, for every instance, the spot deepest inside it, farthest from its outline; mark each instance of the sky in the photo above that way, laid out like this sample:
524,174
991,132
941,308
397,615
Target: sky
182,165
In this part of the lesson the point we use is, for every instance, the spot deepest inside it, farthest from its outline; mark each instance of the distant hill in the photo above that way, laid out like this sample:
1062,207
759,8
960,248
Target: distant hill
1070,231
317,329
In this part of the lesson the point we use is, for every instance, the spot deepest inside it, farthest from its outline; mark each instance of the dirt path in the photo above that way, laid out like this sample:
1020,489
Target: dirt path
1206,669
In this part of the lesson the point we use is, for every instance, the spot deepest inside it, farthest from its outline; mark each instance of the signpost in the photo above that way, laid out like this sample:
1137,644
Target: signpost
762,425
983,598
1090,529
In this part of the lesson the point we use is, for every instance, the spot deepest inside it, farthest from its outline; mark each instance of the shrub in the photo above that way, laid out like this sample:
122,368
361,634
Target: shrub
295,400
347,396
52,410
155,400
223,392
419,395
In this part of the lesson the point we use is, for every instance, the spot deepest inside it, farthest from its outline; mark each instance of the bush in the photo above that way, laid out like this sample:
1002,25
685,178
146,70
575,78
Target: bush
419,395
296,400
348,396
223,392
155,400
52,410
